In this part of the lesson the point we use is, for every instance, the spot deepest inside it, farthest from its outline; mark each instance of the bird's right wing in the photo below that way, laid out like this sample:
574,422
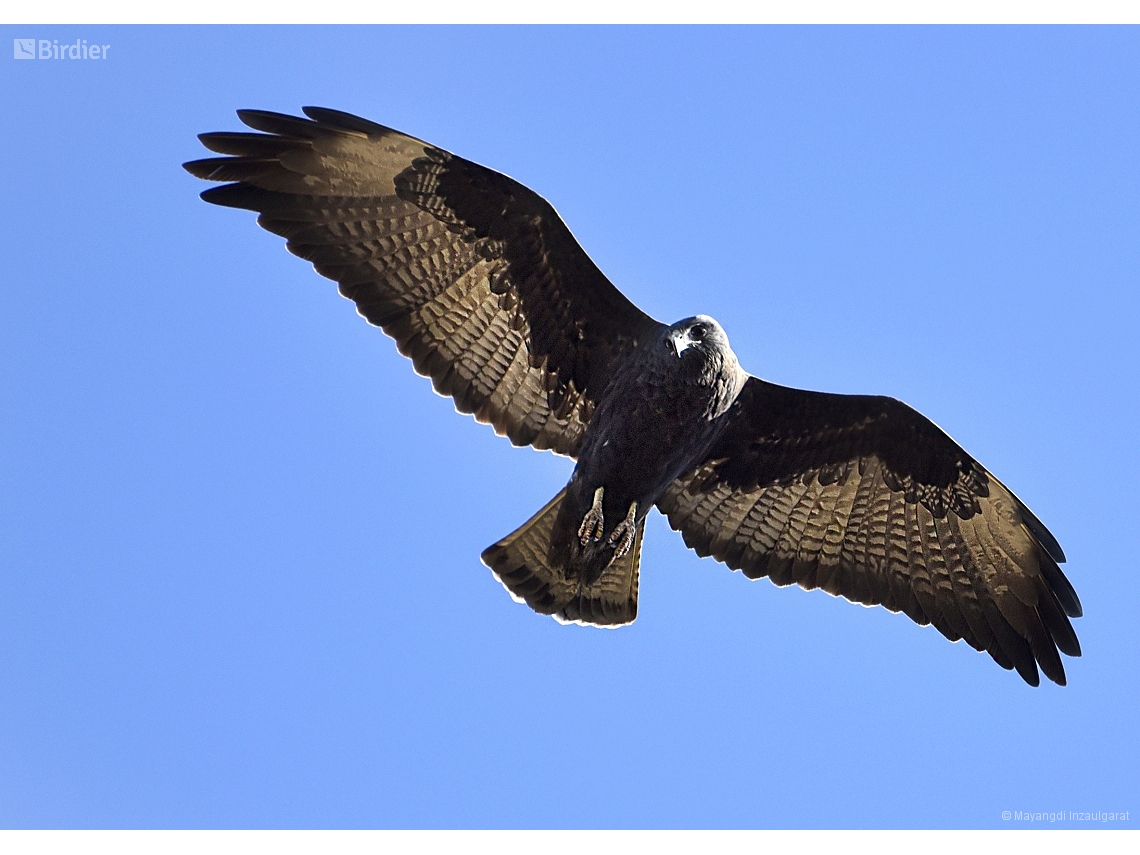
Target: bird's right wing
475,276
868,499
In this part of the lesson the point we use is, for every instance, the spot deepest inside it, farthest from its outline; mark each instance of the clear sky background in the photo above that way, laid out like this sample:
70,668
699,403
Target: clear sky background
239,537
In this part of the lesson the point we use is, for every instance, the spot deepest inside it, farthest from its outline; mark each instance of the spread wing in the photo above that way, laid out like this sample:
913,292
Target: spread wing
868,499
476,277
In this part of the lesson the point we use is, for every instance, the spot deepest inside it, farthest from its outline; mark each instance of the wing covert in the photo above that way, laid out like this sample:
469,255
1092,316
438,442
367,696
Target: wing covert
864,497
475,276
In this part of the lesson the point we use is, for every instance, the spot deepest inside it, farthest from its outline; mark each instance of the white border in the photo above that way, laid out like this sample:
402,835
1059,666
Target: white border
583,11
1061,842
578,11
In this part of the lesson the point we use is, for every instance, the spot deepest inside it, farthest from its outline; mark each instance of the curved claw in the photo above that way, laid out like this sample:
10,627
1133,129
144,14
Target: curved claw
621,538
593,523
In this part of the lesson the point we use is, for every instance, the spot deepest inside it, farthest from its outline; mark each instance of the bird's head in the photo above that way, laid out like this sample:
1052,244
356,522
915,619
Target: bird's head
699,351
699,337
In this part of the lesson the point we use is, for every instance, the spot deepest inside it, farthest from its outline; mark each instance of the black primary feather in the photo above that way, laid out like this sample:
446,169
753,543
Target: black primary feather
485,289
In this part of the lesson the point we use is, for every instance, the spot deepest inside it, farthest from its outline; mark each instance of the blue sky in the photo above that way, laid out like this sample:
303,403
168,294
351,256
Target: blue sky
239,537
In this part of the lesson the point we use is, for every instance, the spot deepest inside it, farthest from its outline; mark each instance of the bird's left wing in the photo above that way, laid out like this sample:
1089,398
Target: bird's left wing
864,497
476,277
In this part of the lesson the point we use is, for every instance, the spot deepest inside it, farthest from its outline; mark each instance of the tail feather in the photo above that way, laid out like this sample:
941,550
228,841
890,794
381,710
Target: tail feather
521,562
612,600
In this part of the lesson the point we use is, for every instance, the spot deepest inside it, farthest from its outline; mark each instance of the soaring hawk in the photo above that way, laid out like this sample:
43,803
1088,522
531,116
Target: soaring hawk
482,285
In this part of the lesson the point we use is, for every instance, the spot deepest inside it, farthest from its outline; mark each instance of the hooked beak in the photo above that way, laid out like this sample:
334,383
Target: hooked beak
678,341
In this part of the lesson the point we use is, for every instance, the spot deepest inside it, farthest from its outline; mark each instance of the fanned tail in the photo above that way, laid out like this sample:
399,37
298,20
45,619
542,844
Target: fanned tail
612,600
521,562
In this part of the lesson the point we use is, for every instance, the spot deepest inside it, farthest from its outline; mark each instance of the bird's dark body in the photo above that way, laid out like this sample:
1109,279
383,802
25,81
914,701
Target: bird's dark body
485,289
658,417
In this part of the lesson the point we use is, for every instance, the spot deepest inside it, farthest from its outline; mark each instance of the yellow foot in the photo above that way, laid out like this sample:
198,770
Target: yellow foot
621,538
593,523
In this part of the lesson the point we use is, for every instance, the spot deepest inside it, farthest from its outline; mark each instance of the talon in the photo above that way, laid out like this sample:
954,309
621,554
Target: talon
621,538
593,523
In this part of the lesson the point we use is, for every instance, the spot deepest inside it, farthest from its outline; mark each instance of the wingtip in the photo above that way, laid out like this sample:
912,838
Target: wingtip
247,116
1044,536
1030,677
280,124
231,196
1060,585
345,121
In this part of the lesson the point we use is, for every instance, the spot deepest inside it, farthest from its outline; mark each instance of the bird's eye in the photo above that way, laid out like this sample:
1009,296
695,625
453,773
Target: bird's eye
697,332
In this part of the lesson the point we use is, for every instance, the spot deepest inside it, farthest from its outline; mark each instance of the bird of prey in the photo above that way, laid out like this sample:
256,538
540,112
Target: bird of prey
483,286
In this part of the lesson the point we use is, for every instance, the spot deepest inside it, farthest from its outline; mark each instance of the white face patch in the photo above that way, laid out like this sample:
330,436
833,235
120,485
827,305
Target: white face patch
696,330
680,339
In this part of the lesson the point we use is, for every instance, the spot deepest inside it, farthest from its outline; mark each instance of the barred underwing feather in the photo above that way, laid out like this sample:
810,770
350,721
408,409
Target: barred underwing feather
483,287
428,245
818,489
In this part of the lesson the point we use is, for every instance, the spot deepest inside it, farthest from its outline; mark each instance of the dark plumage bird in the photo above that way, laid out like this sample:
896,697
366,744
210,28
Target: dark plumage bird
484,288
